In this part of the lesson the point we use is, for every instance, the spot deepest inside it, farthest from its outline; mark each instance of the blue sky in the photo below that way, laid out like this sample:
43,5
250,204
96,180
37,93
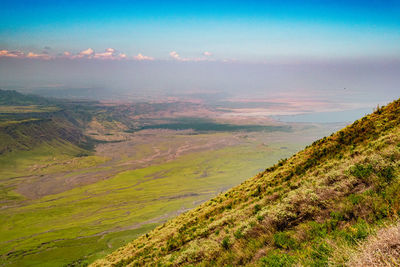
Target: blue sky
228,30
298,50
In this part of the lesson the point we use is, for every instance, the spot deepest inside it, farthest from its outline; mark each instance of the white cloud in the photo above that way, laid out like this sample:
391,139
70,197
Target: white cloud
109,53
142,57
88,52
38,56
15,54
19,54
174,55
205,57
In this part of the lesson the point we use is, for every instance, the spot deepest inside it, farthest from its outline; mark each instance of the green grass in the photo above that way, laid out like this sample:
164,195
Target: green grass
148,195
210,126
27,109
73,251
18,163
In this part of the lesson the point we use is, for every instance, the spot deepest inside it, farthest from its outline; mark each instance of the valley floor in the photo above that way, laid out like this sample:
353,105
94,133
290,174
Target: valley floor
58,209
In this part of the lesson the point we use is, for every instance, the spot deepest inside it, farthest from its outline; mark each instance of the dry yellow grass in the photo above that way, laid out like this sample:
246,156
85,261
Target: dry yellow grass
381,249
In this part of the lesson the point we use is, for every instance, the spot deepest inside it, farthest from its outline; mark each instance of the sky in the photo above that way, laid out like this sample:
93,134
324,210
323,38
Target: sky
186,46
224,30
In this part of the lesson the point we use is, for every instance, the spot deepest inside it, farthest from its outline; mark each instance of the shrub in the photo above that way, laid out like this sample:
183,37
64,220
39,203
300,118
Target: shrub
317,230
361,171
238,234
362,230
277,259
257,208
173,243
355,199
225,243
357,232
320,255
284,240
387,174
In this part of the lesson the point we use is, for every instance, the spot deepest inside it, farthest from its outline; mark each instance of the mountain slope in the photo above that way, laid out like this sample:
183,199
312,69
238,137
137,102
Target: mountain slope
27,121
309,209
10,97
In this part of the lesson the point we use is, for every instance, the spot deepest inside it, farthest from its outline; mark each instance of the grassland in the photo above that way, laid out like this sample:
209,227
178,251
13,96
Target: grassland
124,206
313,209
207,125
63,203
27,109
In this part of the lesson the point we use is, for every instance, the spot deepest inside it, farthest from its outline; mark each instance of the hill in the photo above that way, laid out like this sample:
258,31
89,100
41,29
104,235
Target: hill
11,97
28,121
312,209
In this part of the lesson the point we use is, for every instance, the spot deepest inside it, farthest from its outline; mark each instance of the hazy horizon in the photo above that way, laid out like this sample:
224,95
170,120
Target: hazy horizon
336,55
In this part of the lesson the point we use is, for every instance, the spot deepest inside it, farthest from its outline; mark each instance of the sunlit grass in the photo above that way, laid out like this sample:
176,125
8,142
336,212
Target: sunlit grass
149,195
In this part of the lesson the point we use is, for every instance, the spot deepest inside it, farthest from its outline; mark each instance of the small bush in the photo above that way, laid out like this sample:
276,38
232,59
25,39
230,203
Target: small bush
355,199
257,208
317,230
361,171
225,243
238,234
277,259
173,243
284,240
320,255
362,230
359,231
387,174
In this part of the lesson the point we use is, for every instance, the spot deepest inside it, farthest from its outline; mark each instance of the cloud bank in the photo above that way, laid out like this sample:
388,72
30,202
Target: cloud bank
89,53
107,54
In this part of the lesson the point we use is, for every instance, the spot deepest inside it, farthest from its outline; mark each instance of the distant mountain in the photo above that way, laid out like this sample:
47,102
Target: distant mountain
314,209
27,121
10,97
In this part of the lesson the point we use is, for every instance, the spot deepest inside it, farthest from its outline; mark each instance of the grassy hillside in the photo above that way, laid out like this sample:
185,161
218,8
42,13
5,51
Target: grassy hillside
13,98
312,209
27,122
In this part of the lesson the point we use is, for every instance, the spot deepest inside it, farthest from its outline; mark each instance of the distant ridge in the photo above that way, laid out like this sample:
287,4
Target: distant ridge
11,97
313,209
28,121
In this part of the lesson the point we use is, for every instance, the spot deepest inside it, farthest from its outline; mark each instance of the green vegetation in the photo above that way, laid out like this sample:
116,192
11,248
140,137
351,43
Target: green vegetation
13,98
27,109
313,209
88,222
27,122
63,204
204,125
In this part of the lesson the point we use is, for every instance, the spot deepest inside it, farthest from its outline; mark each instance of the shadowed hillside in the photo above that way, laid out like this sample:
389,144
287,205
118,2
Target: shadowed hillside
27,121
312,209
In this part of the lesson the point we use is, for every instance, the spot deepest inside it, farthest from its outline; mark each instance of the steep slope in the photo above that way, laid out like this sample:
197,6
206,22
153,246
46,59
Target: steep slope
27,121
311,209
